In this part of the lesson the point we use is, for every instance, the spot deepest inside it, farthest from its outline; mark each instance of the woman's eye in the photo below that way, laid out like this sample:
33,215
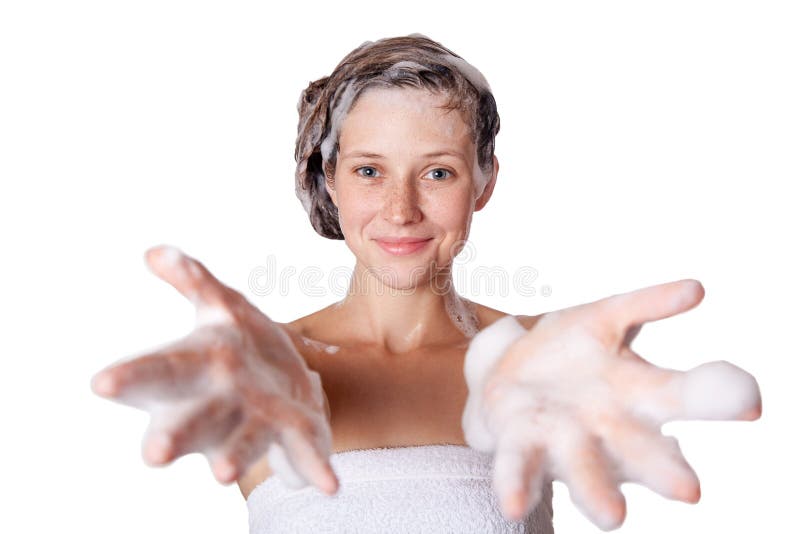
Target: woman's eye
372,172
440,174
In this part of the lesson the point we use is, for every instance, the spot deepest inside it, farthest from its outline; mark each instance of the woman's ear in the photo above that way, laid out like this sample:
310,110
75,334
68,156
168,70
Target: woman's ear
330,188
331,192
489,187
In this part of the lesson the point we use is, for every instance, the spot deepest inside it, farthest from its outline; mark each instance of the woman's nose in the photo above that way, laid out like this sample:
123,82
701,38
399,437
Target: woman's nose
401,204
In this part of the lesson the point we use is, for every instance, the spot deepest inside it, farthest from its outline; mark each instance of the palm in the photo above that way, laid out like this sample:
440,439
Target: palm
570,400
230,389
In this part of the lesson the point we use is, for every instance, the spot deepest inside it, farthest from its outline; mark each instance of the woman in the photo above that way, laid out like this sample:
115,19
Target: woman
410,395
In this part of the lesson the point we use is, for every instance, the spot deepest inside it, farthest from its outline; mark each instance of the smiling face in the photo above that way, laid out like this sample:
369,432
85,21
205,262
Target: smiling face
406,170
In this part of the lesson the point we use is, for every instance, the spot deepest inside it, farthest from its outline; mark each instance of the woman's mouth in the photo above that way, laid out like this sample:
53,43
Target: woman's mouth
402,246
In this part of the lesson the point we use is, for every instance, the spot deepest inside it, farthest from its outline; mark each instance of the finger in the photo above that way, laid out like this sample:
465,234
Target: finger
195,427
172,372
279,462
646,456
246,445
188,276
581,463
711,391
307,456
653,303
518,475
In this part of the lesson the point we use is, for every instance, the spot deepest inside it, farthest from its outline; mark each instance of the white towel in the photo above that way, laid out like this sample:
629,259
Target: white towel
426,488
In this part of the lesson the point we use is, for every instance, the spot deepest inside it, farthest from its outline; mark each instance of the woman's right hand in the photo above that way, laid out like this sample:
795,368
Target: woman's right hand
233,389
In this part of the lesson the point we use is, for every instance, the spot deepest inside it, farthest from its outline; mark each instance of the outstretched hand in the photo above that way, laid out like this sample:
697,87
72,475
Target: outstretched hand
570,400
234,389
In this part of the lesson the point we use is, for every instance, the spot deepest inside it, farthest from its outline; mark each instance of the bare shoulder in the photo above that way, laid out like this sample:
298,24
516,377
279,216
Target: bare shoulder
487,316
308,331
300,326
315,325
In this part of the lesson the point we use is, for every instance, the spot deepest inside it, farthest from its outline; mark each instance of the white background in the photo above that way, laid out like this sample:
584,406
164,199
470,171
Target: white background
640,142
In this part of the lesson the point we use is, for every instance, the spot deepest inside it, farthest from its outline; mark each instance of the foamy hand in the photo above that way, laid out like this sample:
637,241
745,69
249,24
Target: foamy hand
569,400
234,389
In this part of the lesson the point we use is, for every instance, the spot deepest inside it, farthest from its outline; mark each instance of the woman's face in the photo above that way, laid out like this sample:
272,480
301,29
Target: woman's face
406,170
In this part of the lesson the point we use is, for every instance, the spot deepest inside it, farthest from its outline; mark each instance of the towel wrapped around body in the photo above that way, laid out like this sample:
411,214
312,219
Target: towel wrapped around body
425,488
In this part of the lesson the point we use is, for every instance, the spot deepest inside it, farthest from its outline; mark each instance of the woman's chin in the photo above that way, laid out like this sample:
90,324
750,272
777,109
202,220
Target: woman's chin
401,277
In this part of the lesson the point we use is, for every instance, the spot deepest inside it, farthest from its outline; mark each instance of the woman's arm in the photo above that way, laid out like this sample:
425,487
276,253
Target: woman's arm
563,396
234,389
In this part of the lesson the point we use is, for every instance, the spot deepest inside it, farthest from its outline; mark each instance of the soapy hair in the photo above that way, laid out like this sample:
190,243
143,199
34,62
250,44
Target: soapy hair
413,61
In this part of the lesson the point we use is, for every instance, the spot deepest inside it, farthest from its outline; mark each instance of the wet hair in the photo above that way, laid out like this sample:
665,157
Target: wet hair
413,61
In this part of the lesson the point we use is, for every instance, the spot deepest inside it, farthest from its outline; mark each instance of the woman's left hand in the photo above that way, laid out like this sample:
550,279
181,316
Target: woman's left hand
570,400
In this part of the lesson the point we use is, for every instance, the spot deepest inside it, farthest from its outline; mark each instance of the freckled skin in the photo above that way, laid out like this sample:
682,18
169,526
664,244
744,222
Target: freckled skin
399,195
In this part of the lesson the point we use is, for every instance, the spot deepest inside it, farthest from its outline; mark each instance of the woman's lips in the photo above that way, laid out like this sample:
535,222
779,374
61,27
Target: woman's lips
401,247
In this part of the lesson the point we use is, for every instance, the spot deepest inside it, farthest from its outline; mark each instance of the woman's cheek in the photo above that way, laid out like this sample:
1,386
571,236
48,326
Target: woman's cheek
452,245
352,217
456,222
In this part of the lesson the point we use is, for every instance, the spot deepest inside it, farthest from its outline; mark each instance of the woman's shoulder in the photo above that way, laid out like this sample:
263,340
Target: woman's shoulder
311,326
487,316
314,334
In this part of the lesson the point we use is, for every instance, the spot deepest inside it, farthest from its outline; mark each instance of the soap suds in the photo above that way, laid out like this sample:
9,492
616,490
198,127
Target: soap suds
343,98
575,400
192,387
342,102
483,354
413,333
462,313
713,391
319,345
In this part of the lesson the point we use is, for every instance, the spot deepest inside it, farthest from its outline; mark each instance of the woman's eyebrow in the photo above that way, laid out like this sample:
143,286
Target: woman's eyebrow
364,154
453,153
361,154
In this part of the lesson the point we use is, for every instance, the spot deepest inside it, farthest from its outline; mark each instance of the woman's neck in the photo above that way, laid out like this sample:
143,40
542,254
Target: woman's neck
404,319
